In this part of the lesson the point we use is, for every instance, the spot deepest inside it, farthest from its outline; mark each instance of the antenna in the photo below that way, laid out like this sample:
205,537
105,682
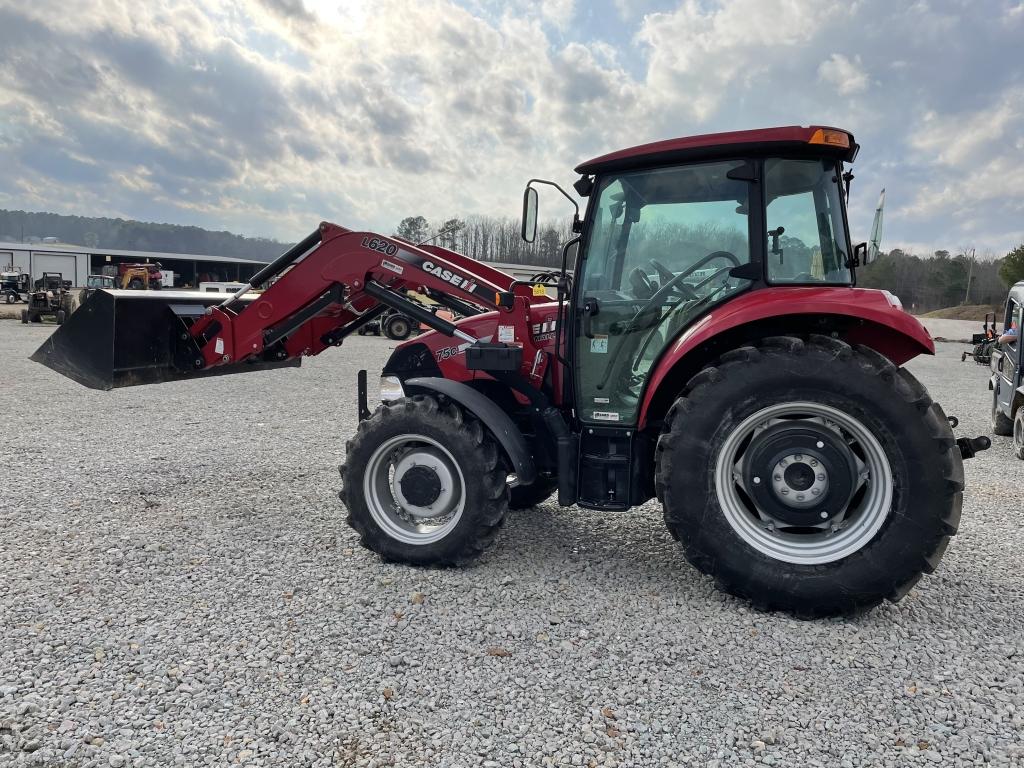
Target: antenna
876,229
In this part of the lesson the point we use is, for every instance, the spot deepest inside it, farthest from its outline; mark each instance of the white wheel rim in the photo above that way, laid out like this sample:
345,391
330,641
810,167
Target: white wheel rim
391,511
864,516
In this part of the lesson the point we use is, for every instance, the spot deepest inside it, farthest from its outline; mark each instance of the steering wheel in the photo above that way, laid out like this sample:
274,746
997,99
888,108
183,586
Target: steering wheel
675,284
642,315
668,276
642,286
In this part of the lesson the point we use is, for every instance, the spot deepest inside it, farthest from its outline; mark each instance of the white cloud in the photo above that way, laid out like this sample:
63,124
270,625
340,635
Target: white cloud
960,138
703,56
847,76
275,114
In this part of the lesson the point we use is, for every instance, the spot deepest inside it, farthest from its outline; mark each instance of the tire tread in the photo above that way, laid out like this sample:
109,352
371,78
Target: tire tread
675,437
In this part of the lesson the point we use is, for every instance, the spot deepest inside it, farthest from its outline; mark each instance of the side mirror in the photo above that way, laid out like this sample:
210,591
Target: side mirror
529,215
861,255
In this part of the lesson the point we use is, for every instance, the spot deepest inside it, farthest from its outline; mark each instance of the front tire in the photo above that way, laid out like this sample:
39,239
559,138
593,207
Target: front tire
889,498
424,483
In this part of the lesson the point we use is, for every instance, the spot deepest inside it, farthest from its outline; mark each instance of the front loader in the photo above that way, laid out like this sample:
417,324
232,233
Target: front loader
709,350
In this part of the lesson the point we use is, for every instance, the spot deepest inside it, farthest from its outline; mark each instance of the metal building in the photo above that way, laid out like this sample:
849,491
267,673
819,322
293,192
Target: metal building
77,262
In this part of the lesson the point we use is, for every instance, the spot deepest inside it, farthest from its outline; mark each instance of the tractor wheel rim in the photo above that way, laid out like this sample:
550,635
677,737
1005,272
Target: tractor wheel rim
847,530
414,489
1018,432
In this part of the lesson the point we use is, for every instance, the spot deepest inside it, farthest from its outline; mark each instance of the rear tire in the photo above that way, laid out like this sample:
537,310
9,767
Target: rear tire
894,530
391,440
1018,433
35,317
24,316
398,328
526,496
11,298
61,317
1002,424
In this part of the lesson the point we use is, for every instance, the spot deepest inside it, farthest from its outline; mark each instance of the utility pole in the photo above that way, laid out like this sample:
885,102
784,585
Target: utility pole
970,277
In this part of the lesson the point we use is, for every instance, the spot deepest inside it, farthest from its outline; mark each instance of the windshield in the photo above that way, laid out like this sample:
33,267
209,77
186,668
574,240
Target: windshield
661,248
806,233
670,217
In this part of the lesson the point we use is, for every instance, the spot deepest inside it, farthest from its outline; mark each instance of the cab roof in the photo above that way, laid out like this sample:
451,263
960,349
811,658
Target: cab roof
815,140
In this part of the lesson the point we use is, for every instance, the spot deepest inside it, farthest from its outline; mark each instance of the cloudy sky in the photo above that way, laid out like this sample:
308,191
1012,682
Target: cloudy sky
265,116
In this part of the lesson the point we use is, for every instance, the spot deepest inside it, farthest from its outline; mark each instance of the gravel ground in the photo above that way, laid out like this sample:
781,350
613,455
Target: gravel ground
182,590
951,330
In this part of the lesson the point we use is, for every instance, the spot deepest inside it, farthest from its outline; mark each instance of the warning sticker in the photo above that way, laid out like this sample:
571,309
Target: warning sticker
605,416
599,345
396,268
506,334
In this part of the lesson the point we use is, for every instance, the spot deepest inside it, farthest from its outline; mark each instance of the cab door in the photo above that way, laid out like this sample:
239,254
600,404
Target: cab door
661,249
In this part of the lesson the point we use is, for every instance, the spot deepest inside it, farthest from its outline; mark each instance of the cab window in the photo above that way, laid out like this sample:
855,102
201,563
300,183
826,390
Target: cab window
1013,320
806,238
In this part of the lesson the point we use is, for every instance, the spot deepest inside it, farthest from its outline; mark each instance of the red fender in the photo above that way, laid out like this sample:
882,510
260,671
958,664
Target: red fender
886,327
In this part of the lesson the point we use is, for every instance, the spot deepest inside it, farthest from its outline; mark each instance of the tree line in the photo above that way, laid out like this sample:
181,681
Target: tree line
922,282
488,238
126,234
942,279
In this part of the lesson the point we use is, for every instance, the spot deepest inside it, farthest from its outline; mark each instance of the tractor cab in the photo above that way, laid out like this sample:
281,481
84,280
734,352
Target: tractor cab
676,228
99,281
95,283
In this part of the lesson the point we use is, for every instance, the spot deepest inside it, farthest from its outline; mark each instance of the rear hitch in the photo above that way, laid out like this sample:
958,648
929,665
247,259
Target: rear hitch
969,446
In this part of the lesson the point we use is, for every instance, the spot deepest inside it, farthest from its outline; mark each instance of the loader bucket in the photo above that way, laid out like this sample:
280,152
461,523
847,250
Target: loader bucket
126,338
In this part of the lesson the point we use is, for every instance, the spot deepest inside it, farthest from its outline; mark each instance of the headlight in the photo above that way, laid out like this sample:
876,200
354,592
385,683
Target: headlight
894,300
390,389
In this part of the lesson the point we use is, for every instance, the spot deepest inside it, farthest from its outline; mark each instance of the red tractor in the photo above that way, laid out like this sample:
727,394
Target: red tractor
710,350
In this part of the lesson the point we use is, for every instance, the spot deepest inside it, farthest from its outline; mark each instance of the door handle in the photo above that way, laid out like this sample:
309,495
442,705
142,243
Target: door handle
590,308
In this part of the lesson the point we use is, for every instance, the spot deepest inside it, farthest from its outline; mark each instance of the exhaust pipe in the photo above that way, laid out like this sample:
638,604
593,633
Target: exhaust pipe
128,338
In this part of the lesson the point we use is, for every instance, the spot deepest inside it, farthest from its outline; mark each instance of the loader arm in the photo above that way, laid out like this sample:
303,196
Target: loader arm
317,293
324,294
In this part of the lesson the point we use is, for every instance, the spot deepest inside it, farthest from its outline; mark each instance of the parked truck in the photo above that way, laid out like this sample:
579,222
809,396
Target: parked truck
14,286
1007,381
